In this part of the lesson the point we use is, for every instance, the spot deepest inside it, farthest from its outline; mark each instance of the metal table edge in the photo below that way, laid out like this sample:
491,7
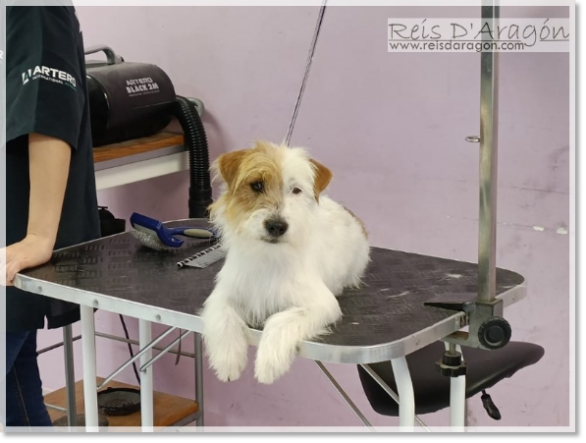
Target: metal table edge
399,348
308,349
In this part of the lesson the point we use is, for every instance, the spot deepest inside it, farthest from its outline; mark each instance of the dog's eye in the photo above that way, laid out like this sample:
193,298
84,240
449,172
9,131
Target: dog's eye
296,191
257,186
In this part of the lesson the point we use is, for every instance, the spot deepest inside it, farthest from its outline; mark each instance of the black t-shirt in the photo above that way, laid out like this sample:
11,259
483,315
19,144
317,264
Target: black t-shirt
46,93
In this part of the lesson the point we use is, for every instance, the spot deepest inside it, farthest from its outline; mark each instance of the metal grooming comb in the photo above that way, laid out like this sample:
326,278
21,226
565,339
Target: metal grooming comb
203,258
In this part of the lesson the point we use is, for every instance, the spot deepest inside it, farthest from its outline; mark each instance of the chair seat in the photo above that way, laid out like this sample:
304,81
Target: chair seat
432,389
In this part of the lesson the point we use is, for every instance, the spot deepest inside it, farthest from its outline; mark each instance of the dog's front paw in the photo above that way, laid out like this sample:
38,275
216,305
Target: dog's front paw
272,361
228,366
268,369
225,337
230,370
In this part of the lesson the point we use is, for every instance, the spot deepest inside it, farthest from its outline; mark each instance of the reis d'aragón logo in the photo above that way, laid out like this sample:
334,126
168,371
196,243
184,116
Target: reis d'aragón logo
49,74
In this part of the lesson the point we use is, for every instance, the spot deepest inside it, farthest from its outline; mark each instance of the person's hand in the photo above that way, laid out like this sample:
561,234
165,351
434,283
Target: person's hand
28,253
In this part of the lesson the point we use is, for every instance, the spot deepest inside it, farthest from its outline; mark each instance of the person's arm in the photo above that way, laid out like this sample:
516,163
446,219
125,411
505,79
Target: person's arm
49,169
46,106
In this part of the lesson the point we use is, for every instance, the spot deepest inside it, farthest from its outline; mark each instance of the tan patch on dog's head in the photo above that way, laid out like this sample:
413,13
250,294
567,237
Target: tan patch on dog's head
253,180
323,176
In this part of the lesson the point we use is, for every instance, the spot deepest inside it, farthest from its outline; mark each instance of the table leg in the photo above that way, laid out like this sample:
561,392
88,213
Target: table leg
458,399
69,376
90,393
198,363
458,402
146,377
406,393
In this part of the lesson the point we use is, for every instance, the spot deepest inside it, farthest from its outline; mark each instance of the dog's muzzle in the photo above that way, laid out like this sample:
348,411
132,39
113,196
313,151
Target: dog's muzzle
275,228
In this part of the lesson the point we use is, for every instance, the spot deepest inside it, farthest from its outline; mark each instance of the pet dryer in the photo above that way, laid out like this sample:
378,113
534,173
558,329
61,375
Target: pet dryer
130,100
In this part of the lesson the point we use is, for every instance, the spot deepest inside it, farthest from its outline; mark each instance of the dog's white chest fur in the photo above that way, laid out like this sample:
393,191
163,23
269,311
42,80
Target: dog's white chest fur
290,252
267,278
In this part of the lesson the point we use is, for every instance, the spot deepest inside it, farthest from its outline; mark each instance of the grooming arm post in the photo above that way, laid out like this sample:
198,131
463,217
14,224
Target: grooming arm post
488,163
487,328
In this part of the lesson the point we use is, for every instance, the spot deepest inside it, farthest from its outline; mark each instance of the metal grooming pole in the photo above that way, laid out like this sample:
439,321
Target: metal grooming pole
486,327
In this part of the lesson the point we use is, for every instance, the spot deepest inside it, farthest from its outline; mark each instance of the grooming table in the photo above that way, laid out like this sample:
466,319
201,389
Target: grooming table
383,320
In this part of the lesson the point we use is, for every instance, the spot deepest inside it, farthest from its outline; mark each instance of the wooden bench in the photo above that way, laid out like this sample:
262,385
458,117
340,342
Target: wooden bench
169,410
154,142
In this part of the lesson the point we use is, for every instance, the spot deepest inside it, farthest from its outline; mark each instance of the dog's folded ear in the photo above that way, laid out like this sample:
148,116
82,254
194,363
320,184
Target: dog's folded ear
227,165
323,176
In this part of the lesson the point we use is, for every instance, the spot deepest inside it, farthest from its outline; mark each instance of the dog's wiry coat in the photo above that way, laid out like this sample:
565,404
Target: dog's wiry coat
290,251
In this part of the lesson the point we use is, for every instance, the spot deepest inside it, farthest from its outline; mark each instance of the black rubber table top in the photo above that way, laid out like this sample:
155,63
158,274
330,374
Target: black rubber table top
387,308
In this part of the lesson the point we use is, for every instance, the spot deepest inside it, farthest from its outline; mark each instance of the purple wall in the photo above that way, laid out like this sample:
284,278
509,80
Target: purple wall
392,128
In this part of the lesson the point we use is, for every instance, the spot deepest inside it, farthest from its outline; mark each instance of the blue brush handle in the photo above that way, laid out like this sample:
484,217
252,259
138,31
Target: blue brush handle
166,235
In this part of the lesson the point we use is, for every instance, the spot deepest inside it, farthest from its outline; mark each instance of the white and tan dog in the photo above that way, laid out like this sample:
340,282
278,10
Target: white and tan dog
290,252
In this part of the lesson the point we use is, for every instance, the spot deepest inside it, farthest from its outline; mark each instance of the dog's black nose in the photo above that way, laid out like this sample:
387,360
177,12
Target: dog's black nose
276,227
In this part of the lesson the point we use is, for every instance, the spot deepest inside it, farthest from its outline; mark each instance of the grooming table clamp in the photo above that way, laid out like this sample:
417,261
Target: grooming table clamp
487,330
